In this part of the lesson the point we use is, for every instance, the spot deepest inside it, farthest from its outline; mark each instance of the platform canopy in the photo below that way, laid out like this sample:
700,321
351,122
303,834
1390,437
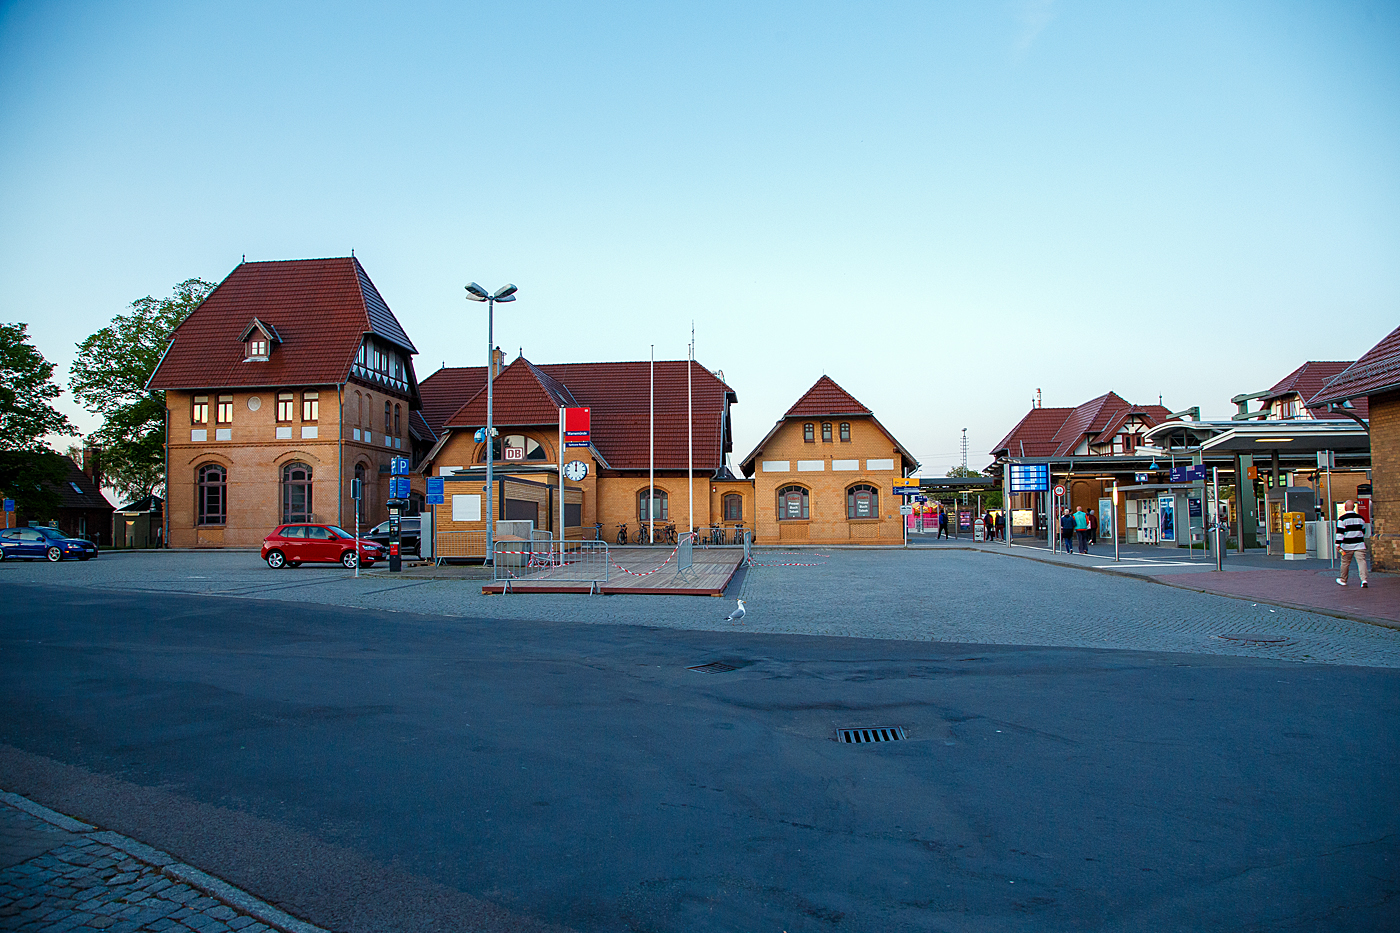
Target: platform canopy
1299,436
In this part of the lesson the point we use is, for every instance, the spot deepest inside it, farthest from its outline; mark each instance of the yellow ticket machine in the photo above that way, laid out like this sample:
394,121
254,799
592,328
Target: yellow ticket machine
1295,537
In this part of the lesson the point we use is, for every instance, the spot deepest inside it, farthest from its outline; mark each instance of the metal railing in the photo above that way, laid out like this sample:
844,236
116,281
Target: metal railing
515,562
685,551
748,546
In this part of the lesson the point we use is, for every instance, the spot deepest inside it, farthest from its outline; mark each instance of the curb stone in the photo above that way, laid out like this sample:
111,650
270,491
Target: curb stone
168,866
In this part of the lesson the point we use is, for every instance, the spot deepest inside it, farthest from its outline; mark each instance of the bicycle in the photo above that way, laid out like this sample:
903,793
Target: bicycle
668,533
597,531
622,533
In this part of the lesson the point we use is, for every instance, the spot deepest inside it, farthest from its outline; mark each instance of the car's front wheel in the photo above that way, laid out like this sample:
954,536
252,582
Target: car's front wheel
54,553
276,560
348,559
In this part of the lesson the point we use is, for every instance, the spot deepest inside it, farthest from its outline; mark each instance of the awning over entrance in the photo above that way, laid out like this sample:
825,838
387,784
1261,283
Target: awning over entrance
1300,437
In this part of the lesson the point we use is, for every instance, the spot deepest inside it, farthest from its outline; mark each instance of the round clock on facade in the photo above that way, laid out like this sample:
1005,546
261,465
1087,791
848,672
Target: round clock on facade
575,470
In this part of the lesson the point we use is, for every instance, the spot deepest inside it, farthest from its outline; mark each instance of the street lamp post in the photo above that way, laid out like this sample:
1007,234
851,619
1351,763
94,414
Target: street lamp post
476,293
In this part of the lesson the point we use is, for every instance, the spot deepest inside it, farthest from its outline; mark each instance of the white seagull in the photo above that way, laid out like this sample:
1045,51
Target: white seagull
737,615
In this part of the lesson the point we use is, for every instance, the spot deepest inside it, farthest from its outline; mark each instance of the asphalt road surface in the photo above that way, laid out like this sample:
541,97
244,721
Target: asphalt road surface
386,771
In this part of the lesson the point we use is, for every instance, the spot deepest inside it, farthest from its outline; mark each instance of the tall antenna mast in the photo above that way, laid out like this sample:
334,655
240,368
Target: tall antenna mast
964,449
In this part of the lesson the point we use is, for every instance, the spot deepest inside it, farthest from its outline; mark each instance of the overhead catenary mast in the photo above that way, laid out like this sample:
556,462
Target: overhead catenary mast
690,429
651,457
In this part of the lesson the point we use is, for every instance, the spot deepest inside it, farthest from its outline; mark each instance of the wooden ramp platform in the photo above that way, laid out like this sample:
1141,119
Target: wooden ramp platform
653,573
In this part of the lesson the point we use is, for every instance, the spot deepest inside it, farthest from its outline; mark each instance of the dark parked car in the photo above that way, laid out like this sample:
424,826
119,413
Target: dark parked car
43,544
290,545
410,530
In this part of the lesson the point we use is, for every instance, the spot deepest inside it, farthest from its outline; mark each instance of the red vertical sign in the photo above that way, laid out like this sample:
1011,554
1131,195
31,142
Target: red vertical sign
577,426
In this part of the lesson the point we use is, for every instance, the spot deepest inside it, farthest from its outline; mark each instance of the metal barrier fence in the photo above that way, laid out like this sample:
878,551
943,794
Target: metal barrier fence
460,544
550,562
748,546
685,552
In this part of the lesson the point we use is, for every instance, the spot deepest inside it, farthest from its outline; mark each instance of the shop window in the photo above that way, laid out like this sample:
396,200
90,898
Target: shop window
845,430
286,404
663,511
809,432
793,504
826,432
733,507
224,413
296,493
862,501
212,495
199,411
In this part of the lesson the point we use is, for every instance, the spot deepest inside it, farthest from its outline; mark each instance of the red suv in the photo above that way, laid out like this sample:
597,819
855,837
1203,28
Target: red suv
290,545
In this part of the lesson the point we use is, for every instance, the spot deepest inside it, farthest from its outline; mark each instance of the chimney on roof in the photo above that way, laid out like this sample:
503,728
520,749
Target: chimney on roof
92,465
1037,398
498,359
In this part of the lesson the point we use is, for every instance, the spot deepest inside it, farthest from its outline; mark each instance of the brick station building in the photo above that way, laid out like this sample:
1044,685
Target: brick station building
825,473
291,379
527,398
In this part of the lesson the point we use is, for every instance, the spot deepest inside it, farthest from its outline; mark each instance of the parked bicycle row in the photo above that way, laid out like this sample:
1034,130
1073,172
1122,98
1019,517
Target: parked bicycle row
666,533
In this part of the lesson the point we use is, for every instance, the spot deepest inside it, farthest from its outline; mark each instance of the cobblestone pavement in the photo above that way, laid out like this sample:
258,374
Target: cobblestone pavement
73,877
935,595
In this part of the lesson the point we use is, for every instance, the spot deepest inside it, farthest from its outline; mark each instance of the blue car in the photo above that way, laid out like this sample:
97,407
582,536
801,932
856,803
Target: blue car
43,544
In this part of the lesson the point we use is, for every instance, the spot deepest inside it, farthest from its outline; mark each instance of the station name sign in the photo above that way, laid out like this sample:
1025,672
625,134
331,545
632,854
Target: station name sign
577,427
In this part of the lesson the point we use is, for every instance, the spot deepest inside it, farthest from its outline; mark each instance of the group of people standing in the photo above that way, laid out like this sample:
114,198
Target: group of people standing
1079,527
993,526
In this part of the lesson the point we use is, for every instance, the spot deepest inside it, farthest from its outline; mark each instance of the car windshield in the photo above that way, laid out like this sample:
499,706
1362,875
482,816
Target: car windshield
340,532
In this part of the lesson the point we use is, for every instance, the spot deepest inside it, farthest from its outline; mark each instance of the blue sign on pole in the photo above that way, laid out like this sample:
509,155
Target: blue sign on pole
399,487
9,505
398,466
436,495
1030,477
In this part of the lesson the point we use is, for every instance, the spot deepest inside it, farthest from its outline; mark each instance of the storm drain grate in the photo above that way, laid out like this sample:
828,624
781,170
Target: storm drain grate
714,667
873,734
1251,639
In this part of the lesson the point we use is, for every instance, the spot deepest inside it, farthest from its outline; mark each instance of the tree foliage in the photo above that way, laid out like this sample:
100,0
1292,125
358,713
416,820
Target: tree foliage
26,391
109,378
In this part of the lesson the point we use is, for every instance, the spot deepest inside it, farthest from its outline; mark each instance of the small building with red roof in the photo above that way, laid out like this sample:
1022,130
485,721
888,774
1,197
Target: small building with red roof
289,380
825,473
1291,397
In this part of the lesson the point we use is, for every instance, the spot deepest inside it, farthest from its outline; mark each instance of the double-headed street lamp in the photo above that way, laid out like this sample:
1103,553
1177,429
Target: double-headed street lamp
476,293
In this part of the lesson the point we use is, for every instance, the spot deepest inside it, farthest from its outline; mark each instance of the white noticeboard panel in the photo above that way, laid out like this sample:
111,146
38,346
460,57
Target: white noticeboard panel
776,466
879,464
466,508
906,510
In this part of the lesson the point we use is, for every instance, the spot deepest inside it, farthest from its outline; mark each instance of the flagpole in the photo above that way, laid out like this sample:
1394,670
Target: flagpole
690,429
651,457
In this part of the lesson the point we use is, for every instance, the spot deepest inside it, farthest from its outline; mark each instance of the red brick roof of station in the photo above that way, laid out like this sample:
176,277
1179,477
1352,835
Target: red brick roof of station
1055,432
319,310
1377,371
525,394
826,399
1307,381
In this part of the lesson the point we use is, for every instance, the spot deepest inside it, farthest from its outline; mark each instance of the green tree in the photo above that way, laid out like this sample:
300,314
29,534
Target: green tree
991,498
109,378
26,417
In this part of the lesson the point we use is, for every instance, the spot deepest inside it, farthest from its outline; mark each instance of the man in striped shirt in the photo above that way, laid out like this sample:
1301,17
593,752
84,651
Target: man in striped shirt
1351,542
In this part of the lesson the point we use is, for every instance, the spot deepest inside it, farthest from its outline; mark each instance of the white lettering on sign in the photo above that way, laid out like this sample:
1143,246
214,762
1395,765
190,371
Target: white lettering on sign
466,508
515,453
776,466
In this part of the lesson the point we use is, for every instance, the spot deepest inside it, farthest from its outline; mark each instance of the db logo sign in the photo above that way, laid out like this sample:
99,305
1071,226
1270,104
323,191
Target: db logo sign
515,453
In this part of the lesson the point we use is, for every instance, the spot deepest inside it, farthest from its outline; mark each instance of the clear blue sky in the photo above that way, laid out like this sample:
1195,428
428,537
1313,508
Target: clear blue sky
943,206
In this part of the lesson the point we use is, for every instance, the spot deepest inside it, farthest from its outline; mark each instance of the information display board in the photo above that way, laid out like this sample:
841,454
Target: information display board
1030,477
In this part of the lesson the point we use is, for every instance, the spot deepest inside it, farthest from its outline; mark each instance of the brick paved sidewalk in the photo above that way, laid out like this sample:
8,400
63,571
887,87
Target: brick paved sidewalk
57,874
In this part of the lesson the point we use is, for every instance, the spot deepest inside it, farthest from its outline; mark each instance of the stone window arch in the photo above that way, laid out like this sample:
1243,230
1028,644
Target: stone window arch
733,507
862,501
809,432
296,493
794,503
663,510
212,495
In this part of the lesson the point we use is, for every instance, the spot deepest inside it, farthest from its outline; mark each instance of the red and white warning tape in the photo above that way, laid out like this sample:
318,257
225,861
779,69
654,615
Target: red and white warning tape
645,573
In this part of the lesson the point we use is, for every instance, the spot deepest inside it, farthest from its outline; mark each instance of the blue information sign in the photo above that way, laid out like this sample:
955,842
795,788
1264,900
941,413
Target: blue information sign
1188,474
399,487
1030,477
398,466
435,491
9,505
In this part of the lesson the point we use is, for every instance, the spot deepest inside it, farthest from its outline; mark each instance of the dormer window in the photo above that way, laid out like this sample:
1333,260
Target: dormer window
257,348
258,339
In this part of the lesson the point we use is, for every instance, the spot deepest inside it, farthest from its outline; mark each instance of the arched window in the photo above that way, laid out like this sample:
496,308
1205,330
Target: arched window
663,511
360,405
845,430
733,507
360,475
397,410
388,416
809,432
862,501
213,495
793,504
826,432
296,493
533,449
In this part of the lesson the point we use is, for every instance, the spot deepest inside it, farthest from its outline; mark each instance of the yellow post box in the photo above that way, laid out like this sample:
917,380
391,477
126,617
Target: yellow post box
1295,537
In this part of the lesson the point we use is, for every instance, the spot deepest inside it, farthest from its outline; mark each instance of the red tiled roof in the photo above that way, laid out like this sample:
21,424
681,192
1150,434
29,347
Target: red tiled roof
446,390
1376,372
1307,380
826,398
1055,432
320,309
525,394
418,426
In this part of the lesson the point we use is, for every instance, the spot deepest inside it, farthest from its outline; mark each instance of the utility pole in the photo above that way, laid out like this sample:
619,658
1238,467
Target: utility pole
964,450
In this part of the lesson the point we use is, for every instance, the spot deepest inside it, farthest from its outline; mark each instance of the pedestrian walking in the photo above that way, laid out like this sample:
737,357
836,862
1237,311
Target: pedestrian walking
1001,525
1067,530
1093,527
1081,530
989,527
1351,543
942,523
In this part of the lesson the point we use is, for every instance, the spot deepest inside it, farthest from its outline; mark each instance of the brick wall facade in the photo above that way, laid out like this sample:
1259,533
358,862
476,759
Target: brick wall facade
1385,480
